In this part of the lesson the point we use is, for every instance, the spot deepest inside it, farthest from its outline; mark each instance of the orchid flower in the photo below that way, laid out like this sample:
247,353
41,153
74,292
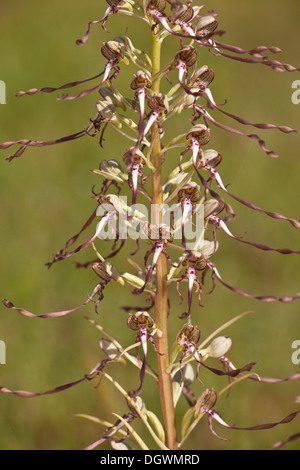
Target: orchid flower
159,234
112,9
134,161
194,263
144,324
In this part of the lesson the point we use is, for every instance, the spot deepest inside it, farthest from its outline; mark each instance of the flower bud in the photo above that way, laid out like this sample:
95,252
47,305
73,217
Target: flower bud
105,271
212,207
113,50
206,401
203,77
199,132
212,158
219,346
206,25
188,55
117,444
185,14
159,5
186,102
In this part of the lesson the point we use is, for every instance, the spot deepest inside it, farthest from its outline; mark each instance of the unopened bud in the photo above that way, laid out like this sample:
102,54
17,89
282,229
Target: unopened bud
212,157
206,25
159,5
120,445
188,55
203,77
201,133
185,14
113,50
206,401
105,271
212,207
219,346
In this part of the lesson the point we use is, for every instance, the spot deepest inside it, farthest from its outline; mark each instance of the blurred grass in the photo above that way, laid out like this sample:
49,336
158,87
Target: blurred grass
45,198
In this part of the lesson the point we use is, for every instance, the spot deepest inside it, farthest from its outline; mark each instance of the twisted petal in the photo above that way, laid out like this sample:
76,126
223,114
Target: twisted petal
256,137
144,339
273,380
211,44
61,313
40,143
62,254
220,223
27,394
280,444
212,414
285,129
273,215
264,298
230,373
83,93
33,91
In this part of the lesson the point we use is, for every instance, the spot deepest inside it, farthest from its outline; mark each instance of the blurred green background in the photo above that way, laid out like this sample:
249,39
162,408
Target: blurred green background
45,199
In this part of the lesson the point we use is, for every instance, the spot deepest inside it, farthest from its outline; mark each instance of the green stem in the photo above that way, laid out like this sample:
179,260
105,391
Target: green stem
161,297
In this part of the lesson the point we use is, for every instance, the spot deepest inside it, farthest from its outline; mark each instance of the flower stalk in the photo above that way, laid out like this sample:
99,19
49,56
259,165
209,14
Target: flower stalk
161,297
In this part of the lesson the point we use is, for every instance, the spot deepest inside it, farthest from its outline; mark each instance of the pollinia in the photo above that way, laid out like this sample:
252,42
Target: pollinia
189,208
